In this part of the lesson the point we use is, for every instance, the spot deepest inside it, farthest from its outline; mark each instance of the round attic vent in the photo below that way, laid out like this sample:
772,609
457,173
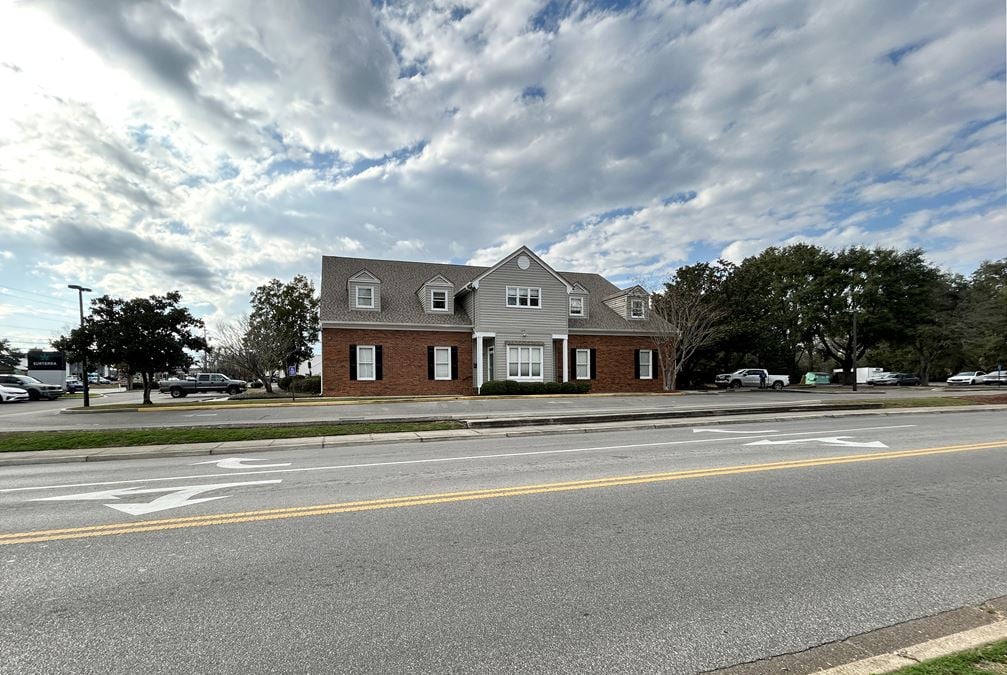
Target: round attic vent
523,262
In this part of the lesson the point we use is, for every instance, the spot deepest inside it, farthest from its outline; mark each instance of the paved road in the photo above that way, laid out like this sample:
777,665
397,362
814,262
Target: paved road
46,415
576,553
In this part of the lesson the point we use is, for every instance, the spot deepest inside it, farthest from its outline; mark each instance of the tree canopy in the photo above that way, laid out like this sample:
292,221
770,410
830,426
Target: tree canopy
285,316
9,356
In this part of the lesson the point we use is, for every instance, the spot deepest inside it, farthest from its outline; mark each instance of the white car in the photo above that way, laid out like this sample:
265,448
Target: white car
994,377
10,394
967,377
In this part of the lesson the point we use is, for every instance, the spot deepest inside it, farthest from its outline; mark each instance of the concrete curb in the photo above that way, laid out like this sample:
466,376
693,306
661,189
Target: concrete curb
16,458
925,651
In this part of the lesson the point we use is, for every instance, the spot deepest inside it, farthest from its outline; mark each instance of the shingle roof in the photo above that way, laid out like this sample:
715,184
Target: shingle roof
400,281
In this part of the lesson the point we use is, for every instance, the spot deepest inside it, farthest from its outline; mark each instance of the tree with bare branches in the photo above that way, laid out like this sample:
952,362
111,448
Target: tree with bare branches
251,346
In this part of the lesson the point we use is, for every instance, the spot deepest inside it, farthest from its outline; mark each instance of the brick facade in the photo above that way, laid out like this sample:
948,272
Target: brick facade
615,365
404,356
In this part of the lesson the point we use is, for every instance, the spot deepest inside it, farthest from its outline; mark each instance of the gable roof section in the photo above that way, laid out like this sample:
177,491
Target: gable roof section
531,254
578,288
364,276
437,280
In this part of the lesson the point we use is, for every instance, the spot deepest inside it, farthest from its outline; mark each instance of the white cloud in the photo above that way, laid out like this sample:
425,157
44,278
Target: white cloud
143,142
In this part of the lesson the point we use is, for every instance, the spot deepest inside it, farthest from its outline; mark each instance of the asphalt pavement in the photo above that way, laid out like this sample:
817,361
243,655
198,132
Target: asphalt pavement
672,551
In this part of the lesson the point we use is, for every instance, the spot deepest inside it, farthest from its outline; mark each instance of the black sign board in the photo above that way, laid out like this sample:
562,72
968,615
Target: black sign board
39,360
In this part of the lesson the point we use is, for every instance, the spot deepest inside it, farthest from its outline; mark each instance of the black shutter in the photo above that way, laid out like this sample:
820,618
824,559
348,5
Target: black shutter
572,372
637,357
454,363
430,363
353,362
378,374
594,366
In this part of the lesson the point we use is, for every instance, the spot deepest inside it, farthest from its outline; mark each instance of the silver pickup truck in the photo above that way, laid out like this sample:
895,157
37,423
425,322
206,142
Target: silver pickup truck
199,383
750,377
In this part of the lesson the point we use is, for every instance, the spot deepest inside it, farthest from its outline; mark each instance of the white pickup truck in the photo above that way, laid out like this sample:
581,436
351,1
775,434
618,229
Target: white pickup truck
750,377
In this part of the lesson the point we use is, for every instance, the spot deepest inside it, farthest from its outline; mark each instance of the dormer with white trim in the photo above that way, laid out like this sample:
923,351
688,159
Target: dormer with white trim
631,304
364,292
437,295
579,298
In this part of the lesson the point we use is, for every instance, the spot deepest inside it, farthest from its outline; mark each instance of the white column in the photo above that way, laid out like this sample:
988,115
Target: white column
479,362
566,361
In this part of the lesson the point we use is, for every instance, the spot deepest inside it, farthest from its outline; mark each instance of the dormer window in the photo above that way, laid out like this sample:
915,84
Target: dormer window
636,308
439,301
576,306
365,297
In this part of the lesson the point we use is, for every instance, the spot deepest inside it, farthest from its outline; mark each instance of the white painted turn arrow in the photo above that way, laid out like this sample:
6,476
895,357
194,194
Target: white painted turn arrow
828,440
176,497
239,463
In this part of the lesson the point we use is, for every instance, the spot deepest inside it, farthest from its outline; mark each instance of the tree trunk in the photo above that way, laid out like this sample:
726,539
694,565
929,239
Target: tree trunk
147,377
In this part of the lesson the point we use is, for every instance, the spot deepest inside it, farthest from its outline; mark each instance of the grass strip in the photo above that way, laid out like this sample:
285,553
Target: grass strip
927,402
987,660
73,440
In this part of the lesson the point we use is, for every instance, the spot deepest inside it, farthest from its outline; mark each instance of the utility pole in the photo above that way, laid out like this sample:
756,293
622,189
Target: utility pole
83,352
854,348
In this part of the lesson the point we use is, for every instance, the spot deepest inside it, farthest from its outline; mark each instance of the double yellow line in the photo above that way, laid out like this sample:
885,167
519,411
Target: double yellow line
469,495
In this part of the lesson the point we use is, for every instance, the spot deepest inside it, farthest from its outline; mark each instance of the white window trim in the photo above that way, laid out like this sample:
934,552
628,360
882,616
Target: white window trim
446,350
373,363
650,365
643,308
576,356
582,303
518,289
357,304
527,378
446,304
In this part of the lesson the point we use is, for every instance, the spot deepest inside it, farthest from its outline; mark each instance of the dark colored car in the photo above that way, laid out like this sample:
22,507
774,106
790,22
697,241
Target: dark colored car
895,380
35,389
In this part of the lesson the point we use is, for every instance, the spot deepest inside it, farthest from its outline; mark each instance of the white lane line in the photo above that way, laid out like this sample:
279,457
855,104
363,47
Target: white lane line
434,460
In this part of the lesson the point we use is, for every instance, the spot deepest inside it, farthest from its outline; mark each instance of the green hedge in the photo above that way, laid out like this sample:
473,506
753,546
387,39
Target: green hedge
307,385
512,388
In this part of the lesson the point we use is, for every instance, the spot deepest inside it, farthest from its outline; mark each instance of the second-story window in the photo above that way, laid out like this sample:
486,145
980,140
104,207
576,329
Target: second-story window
365,297
439,301
576,306
636,308
521,296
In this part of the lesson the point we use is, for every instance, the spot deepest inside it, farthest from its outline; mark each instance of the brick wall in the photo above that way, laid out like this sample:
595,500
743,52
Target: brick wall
615,362
404,356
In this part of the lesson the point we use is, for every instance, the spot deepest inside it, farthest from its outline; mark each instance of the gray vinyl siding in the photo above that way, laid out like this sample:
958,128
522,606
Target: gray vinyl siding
468,304
425,299
494,316
353,296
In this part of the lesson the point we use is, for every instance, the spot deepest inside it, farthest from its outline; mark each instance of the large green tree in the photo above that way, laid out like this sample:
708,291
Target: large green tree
984,344
145,335
285,315
9,356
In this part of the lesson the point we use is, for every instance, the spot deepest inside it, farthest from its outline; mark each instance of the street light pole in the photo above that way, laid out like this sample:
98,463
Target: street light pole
83,352
854,348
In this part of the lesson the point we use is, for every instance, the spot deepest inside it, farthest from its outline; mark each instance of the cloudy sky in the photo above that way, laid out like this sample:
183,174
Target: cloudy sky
150,145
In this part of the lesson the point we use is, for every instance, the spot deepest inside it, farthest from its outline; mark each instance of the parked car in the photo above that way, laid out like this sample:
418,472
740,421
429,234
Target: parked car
995,377
73,385
35,389
10,394
894,380
750,377
201,382
967,377
95,378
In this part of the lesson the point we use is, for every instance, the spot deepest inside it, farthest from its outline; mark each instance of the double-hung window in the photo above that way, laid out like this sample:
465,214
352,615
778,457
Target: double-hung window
365,362
522,296
524,363
583,364
442,363
646,364
576,306
636,308
439,301
365,297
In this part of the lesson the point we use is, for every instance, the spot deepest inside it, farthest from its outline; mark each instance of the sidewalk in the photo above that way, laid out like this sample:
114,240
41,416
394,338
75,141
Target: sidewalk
319,442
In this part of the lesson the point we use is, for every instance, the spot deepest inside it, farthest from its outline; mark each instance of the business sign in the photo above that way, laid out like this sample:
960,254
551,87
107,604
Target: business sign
39,360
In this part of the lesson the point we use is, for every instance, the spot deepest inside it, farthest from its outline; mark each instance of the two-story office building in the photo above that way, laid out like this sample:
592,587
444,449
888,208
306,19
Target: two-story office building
397,328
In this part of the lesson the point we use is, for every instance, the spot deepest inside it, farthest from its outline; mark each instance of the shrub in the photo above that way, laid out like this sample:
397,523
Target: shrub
285,381
307,385
514,388
255,384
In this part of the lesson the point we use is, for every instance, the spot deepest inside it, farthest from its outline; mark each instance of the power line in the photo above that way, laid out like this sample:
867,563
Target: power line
67,306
